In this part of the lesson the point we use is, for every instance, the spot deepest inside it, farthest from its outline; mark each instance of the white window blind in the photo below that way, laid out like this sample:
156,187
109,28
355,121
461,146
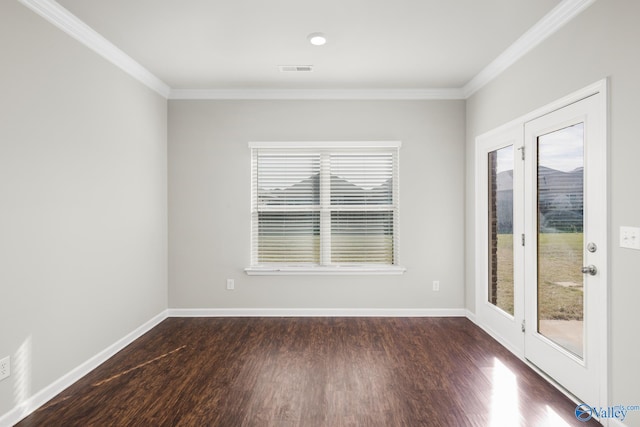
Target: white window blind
324,205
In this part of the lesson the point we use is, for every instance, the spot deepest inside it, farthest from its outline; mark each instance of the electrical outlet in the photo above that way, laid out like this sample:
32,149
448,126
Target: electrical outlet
230,284
436,285
5,367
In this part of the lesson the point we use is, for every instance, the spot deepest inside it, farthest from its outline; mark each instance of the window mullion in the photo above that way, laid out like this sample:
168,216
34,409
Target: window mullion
325,209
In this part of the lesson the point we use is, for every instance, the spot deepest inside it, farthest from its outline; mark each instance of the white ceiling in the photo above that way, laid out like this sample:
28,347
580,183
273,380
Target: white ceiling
372,44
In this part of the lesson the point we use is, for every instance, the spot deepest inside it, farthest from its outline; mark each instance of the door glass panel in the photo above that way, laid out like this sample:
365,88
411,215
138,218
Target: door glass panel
501,228
560,237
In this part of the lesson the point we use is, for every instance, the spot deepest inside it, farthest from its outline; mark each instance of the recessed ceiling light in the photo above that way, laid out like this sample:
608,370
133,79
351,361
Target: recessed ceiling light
317,39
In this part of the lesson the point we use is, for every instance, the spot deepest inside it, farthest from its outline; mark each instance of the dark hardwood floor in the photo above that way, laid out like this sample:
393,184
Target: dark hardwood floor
311,372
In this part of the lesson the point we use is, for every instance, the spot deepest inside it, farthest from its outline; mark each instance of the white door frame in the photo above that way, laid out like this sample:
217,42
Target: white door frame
602,293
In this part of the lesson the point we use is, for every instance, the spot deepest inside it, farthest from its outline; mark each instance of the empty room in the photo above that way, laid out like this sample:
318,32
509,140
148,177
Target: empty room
338,213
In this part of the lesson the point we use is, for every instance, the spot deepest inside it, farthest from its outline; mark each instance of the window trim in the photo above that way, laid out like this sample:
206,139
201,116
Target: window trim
322,270
363,269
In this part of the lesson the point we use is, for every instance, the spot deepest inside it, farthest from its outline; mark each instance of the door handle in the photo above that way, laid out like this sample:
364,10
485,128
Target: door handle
590,269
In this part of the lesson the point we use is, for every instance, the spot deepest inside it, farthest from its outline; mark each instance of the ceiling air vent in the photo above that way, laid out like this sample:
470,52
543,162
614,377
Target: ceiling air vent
295,68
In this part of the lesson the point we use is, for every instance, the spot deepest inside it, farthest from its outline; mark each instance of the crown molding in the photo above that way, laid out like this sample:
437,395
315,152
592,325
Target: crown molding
548,25
317,94
70,24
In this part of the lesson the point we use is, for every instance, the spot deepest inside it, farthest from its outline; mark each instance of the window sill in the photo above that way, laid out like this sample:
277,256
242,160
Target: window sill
325,271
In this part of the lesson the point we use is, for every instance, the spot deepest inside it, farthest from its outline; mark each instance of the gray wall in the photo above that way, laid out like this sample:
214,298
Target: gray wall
601,42
83,206
209,201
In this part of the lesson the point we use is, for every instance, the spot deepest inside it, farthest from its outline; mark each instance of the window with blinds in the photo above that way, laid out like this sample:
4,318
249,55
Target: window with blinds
328,206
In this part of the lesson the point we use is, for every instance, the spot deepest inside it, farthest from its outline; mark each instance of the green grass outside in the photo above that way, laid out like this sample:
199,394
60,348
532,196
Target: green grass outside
560,261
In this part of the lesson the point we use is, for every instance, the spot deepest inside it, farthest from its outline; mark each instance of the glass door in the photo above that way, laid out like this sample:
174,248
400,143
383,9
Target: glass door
541,240
565,249
499,299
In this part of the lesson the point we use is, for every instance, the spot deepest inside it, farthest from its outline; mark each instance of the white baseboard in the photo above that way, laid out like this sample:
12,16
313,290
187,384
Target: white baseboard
470,315
21,411
605,422
26,408
316,312
496,336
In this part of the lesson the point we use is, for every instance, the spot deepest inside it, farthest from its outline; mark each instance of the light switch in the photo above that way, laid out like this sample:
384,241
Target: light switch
630,237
